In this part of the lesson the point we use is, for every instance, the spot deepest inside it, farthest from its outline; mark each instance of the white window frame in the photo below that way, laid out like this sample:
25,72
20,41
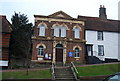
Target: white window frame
40,51
77,52
42,30
63,31
99,35
100,50
77,32
56,31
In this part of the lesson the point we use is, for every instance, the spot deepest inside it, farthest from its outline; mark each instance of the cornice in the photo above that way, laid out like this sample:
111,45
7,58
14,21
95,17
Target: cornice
60,20
59,39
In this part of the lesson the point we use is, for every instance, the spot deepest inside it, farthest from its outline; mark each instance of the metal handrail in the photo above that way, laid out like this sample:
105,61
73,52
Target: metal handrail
75,72
53,71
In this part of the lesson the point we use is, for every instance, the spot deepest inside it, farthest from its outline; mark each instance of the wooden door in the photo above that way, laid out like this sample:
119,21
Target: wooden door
59,55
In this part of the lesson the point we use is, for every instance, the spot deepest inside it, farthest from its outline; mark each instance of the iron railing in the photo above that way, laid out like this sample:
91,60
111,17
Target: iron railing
74,70
53,71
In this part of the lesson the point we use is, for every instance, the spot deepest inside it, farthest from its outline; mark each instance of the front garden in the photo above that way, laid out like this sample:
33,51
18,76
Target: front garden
93,70
23,74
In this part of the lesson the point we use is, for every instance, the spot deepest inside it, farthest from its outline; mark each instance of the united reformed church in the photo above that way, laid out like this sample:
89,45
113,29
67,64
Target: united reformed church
60,38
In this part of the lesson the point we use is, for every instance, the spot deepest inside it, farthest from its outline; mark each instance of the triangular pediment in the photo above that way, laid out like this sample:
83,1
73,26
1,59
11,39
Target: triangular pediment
60,14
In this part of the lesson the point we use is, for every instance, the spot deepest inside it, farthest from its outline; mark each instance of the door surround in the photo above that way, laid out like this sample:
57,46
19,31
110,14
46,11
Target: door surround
59,53
64,43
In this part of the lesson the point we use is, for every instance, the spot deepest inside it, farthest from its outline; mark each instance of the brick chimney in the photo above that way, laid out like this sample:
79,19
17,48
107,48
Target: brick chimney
102,12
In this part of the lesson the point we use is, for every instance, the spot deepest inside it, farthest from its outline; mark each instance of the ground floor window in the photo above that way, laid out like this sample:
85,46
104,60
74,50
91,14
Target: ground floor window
40,51
77,52
100,50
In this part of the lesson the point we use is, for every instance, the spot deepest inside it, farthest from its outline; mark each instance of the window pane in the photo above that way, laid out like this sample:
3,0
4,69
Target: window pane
56,31
77,54
40,51
100,50
100,35
63,31
77,32
42,30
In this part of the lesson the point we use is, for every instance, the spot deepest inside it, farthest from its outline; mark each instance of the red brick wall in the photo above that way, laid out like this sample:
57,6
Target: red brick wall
5,46
50,33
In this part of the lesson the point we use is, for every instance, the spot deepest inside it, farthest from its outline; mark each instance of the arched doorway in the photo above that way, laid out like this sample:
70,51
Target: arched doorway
59,53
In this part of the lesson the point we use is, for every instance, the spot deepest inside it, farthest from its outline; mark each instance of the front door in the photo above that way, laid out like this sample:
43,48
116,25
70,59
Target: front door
89,49
59,53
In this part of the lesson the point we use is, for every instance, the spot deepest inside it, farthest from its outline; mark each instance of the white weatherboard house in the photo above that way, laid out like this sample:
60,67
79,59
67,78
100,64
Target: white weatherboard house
102,36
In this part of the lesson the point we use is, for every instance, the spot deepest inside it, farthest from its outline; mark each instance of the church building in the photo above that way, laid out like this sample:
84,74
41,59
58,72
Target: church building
58,38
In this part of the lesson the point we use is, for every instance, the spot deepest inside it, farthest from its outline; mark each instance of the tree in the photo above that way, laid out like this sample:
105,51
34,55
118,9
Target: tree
21,40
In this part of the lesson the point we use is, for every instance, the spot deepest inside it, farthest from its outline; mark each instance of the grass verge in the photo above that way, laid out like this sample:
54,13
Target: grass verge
95,70
31,74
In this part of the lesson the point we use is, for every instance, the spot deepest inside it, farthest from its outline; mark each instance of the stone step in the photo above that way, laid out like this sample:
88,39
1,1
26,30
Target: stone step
65,80
59,64
65,77
64,74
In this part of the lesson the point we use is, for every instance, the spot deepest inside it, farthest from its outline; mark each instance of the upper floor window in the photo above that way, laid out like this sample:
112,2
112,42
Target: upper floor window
56,31
100,50
77,52
77,32
100,35
63,31
42,30
40,51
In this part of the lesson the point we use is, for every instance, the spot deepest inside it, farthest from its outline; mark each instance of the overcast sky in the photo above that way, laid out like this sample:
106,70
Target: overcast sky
47,7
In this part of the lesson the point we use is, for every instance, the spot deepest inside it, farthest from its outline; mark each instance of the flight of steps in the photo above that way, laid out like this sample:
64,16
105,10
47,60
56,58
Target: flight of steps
64,74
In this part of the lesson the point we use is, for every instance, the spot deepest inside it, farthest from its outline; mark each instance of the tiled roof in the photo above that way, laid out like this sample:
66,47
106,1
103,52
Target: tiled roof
95,23
5,24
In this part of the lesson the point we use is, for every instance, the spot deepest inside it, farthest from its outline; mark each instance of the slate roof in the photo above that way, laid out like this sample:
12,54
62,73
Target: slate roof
95,23
5,24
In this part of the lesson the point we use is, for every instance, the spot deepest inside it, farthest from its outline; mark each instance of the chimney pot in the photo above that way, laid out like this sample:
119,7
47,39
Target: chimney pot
102,12
103,6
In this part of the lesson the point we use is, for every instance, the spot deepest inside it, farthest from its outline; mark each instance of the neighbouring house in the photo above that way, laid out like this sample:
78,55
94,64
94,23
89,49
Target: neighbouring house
58,38
102,36
4,43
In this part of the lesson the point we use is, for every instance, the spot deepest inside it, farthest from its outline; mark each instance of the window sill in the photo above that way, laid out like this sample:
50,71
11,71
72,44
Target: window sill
76,38
76,57
40,56
42,36
59,37
100,40
101,55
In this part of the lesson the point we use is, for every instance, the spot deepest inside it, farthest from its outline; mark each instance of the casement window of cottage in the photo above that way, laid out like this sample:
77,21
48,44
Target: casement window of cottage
100,35
100,50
